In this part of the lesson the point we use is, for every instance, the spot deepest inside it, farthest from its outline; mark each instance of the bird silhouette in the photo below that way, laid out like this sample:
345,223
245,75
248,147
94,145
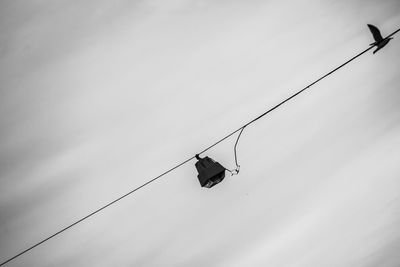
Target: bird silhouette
379,41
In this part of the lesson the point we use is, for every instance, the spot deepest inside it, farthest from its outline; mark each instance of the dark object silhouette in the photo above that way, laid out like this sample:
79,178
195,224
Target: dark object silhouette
210,171
379,41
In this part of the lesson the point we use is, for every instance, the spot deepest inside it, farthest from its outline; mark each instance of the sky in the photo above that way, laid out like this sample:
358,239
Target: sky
98,97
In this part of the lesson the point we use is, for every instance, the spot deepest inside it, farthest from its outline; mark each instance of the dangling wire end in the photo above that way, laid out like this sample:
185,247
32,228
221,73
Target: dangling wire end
237,169
234,171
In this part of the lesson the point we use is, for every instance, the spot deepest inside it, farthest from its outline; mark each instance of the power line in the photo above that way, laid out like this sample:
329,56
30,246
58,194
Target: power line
189,159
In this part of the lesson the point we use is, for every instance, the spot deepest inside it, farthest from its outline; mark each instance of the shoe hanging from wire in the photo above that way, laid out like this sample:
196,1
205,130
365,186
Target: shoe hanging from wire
212,172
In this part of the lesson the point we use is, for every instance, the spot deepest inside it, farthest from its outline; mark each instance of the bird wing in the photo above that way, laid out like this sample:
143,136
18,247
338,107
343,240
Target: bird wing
375,32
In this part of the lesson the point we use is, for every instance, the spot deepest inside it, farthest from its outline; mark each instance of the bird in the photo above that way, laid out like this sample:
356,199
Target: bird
379,41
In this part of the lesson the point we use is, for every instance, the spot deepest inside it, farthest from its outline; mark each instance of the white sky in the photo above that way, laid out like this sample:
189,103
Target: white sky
97,97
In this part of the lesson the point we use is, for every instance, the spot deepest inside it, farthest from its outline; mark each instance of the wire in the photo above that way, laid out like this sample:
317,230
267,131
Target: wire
189,159
237,169
96,211
234,149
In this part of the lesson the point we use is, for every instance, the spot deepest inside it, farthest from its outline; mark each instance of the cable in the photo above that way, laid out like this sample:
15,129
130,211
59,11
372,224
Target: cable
234,149
237,169
96,211
189,159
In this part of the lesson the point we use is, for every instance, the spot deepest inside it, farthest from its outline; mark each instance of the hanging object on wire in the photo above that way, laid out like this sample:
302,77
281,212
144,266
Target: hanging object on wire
212,172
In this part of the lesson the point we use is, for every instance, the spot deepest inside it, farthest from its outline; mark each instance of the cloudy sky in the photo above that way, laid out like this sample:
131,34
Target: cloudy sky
98,97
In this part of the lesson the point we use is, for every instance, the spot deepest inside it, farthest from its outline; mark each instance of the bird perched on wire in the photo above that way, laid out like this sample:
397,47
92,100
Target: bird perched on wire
379,41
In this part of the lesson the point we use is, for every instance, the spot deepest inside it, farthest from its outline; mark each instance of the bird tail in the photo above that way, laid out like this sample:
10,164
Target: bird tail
374,43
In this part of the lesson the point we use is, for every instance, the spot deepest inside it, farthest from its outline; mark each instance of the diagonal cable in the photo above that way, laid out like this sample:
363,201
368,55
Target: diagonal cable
189,159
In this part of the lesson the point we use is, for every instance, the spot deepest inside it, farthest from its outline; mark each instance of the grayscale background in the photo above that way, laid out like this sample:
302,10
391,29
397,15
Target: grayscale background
98,97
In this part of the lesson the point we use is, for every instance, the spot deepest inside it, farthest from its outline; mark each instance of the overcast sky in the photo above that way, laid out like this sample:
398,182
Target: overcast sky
98,97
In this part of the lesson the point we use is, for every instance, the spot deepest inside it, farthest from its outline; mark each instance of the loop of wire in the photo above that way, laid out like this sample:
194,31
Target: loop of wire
237,169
